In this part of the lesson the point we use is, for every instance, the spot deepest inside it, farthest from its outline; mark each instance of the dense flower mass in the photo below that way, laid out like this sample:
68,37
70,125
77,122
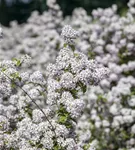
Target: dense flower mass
57,102
68,87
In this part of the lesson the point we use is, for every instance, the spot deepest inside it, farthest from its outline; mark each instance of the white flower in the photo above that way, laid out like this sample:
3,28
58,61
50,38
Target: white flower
75,107
67,81
37,116
37,78
131,101
68,33
133,129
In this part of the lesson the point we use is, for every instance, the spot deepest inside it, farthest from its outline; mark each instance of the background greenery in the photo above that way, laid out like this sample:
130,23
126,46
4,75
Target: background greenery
20,10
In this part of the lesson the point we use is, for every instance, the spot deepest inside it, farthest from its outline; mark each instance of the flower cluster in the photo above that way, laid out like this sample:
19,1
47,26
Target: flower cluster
41,102
45,113
109,38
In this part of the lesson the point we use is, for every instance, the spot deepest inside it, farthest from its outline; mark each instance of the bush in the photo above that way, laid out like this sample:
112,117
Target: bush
42,100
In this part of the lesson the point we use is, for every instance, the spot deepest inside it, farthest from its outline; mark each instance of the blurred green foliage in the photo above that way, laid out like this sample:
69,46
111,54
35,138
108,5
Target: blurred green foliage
20,11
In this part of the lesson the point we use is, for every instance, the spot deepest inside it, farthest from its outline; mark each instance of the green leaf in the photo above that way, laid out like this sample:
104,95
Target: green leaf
83,87
17,61
16,76
65,45
4,69
101,98
13,85
72,47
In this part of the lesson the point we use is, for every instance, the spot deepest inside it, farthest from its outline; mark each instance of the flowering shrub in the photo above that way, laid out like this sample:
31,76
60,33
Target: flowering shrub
62,99
52,125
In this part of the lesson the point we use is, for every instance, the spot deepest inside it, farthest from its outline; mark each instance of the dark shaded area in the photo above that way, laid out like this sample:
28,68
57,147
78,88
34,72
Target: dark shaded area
68,6
20,11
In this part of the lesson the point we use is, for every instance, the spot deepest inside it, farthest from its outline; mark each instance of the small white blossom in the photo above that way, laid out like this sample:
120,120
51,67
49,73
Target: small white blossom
69,34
